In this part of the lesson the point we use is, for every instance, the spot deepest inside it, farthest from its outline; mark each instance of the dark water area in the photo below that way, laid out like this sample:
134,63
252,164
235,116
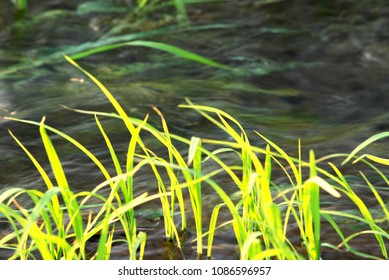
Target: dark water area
314,70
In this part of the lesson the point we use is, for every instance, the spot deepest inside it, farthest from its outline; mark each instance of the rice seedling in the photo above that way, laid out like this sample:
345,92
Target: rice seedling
71,225
128,221
260,216
60,223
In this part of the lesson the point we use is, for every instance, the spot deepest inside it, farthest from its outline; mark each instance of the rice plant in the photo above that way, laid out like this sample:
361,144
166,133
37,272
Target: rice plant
57,230
259,215
60,223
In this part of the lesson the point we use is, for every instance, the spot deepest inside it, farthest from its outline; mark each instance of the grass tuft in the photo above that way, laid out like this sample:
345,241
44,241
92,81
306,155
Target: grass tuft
263,215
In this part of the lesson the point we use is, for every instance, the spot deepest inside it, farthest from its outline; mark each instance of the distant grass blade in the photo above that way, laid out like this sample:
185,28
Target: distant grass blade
154,45
21,5
141,3
181,12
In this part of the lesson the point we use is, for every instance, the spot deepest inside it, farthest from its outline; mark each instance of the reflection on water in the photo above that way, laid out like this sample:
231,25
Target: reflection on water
315,70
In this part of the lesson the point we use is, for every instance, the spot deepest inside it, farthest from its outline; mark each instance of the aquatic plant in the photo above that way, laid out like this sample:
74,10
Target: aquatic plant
60,223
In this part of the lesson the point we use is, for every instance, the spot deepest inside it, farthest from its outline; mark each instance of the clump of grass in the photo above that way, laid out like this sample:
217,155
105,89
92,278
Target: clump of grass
60,223
257,219
57,230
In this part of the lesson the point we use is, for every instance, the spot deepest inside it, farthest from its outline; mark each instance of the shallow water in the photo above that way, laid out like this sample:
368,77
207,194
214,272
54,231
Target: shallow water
315,71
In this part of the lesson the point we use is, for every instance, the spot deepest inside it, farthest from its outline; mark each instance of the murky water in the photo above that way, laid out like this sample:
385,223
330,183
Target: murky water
315,70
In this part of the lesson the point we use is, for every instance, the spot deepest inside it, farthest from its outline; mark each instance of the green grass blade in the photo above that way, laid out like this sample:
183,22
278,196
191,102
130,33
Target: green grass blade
106,92
181,12
154,45
54,160
140,243
102,249
251,243
174,155
311,205
238,224
40,169
377,196
32,229
196,194
70,140
297,175
364,210
366,143
21,5
141,3
110,147
324,185
59,174
379,160
212,228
